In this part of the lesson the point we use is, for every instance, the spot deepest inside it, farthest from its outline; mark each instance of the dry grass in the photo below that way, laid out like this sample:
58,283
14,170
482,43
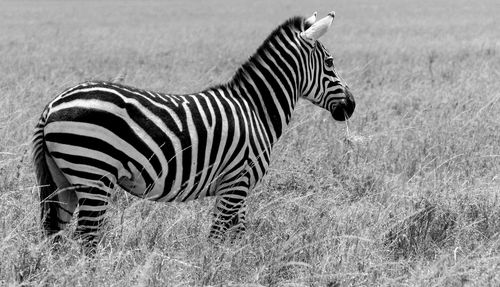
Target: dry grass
406,194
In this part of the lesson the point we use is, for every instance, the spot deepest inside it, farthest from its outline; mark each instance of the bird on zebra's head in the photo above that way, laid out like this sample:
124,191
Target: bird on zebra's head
97,136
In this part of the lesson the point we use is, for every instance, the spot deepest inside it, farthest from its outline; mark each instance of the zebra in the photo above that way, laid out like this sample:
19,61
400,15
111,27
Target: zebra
97,136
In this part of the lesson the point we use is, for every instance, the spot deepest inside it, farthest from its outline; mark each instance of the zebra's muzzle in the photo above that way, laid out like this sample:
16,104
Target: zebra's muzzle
346,108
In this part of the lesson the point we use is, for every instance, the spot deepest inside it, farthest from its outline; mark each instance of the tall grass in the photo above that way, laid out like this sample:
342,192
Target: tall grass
405,193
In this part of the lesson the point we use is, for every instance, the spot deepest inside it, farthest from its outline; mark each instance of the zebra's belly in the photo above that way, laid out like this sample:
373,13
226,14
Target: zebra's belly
128,178
85,160
191,189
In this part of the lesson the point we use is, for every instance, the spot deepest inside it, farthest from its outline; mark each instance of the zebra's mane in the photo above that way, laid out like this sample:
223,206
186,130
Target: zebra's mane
295,23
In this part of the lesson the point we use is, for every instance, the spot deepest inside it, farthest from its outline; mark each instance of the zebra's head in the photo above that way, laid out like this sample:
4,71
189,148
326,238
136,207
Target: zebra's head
323,86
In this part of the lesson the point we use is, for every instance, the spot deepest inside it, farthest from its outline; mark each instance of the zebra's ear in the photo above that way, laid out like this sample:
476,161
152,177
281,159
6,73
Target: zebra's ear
319,28
310,21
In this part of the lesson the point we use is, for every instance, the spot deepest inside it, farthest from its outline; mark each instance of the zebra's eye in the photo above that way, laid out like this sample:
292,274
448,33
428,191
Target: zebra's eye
329,62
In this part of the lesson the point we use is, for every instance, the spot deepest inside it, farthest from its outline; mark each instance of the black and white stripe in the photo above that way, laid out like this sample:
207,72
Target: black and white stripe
162,147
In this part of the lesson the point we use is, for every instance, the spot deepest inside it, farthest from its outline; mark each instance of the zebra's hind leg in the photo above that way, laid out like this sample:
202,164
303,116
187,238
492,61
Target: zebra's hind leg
57,195
63,202
67,201
92,205
230,212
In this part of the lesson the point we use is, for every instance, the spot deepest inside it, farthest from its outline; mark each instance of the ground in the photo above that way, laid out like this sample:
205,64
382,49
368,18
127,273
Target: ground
407,193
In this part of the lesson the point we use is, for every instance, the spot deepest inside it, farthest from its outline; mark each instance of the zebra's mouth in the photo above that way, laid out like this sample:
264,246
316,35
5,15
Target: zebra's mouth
345,109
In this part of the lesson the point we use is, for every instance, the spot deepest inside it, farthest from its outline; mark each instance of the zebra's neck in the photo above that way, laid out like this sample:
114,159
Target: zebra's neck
270,80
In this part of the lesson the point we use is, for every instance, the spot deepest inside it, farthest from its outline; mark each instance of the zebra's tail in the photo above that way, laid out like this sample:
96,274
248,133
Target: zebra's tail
46,185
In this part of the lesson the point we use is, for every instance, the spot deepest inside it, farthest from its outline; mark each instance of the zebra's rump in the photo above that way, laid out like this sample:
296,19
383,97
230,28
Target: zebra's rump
163,147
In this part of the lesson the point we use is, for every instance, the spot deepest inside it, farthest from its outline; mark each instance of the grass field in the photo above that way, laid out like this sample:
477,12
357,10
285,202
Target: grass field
407,193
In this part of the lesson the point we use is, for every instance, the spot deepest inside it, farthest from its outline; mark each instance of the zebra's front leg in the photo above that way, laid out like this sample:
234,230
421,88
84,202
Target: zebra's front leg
230,212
